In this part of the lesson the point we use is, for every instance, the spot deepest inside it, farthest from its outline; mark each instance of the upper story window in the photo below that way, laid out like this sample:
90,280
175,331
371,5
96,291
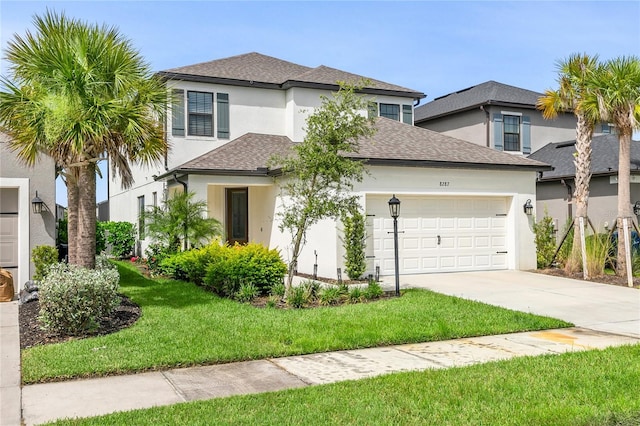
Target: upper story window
607,128
197,115
407,114
511,133
391,111
200,110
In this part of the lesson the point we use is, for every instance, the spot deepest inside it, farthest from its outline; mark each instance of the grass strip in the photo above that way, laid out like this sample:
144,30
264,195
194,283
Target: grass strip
598,387
184,325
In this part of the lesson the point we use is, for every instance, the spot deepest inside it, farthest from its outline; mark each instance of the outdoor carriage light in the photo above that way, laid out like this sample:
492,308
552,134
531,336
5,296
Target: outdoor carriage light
528,208
394,209
37,204
636,208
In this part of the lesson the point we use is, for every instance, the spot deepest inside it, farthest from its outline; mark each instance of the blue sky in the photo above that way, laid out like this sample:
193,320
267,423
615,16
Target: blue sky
431,46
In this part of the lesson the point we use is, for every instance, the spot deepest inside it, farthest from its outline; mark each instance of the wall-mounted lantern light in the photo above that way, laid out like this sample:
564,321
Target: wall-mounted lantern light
636,208
528,208
37,204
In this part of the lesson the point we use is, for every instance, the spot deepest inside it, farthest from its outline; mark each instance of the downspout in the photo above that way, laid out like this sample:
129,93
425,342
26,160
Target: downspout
185,226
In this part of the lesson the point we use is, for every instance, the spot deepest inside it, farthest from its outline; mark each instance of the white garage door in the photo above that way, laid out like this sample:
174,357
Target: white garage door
9,230
438,234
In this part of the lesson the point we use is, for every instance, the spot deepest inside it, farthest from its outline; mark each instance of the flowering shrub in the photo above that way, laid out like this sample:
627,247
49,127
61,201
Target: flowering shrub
73,300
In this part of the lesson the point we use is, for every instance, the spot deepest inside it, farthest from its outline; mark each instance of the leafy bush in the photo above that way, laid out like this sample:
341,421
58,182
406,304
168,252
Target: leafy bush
192,265
373,290
329,296
120,235
252,263
73,300
278,289
246,293
545,240
356,295
43,257
155,254
297,297
354,243
103,262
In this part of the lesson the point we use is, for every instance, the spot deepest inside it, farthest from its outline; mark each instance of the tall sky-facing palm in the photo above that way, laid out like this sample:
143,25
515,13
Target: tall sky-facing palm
575,93
80,92
618,93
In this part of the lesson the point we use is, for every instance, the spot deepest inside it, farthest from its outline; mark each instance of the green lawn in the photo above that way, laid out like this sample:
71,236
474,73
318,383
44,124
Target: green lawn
580,388
183,325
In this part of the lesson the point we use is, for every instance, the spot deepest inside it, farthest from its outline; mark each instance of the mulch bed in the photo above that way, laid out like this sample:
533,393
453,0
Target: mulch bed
604,279
31,333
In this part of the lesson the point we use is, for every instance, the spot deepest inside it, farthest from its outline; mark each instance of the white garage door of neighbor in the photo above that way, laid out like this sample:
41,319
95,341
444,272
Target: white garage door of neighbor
438,234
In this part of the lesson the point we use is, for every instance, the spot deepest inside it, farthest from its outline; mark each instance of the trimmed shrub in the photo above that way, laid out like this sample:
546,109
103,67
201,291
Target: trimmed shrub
354,243
192,265
43,257
73,300
252,263
545,240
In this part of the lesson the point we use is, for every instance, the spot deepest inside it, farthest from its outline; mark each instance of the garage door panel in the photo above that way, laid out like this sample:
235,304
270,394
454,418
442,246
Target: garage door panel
441,234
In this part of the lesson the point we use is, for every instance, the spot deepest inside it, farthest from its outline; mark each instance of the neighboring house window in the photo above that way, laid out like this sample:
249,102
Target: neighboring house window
141,217
607,128
200,108
511,133
223,115
407,114
391,111
154,198
372,109
177,113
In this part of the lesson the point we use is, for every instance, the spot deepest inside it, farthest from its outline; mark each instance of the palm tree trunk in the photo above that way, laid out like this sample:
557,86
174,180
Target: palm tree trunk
72,216
86,244
582,161
624,199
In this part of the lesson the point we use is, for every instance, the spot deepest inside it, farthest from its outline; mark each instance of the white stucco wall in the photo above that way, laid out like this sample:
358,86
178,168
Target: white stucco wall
516,186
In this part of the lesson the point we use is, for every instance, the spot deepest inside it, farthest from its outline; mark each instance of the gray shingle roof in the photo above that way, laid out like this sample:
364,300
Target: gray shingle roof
394,143
490,92
604,157
403,142
247,153
256,68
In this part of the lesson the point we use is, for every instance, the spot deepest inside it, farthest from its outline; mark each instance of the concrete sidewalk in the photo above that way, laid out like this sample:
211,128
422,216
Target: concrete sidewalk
605,316
87,398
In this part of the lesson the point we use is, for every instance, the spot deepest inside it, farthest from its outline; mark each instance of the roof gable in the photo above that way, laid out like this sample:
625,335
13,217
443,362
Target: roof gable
488,93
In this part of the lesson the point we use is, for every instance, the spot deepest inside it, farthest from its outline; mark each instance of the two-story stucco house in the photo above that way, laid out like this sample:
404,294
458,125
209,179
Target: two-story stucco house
461,203
22,229
497,116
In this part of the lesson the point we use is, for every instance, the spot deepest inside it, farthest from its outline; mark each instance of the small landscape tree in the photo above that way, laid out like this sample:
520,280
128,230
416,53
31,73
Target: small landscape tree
319,176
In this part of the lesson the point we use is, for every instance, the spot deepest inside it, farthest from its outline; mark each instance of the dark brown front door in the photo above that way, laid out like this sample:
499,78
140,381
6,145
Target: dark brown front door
237,215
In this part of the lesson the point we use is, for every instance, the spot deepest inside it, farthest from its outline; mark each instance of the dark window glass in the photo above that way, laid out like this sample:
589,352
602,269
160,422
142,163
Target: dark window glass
200,107
390,111
407,114
511,133
177,113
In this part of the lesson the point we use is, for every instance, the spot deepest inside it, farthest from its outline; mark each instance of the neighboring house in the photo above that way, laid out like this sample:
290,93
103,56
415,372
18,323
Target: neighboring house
20,228
462,204
555,187
497,116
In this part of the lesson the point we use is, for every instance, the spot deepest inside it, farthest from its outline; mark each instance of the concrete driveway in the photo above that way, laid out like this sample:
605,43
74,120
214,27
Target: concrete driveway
601,307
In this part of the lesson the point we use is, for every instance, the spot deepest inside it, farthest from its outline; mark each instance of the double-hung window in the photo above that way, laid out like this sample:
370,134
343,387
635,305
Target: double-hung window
511,133
391,111
177,112
200,110
407,114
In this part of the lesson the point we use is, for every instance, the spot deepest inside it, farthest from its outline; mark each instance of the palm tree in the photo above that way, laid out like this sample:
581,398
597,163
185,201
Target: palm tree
618,93
81,93
575,94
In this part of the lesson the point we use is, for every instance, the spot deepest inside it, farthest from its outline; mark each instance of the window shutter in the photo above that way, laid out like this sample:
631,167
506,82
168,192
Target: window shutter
526,135
497,132
223,115
177,112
